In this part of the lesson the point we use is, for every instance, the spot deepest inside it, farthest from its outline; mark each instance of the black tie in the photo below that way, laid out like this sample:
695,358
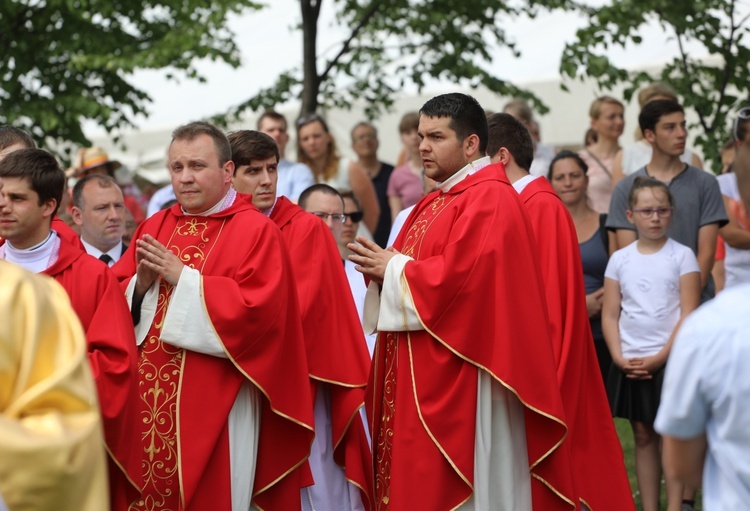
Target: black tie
105,258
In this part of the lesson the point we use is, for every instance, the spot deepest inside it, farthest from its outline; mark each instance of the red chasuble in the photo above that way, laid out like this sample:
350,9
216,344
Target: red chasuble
335,345
249,296
475,284
598,467
98,300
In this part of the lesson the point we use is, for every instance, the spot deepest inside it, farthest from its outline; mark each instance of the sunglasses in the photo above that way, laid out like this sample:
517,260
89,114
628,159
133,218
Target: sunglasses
307,119
743,114
355,217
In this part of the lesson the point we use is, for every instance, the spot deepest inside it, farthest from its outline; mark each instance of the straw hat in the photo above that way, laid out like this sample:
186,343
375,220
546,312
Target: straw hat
89,158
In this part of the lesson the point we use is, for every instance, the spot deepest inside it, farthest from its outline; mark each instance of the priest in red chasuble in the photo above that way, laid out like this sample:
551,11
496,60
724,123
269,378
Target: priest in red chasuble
463,400
226,414
334,343
601,480
32,188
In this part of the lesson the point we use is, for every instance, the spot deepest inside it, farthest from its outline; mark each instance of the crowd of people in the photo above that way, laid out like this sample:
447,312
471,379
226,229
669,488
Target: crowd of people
454,331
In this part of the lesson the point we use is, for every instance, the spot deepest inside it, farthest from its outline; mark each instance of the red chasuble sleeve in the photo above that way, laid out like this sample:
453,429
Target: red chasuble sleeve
336,349
600,476
250,298
476,289
98,300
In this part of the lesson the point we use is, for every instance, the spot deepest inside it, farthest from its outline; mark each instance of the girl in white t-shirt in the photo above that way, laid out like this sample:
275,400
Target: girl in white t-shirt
649,287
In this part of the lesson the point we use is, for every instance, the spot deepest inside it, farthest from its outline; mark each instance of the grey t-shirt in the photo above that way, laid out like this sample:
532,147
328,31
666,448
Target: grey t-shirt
697,202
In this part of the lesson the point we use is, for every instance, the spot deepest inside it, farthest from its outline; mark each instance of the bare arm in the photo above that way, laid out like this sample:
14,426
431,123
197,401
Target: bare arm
612,237
624,237
683,459
365,192
610,320
617,173
733,234
706,250
696,162
396,207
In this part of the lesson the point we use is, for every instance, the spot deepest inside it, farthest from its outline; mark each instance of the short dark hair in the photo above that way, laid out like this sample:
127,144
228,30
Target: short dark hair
10,135
195,129
271,114
466,115
250,145
508,132
41,170
409,122
641,183
565,155
103,180
654,110
318,187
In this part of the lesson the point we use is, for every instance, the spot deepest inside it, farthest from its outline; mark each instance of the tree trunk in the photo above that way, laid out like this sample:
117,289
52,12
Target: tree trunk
310,78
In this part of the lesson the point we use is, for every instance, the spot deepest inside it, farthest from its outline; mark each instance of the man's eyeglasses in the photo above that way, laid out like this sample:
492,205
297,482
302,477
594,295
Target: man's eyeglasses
355,217
648,213
742,115
336,217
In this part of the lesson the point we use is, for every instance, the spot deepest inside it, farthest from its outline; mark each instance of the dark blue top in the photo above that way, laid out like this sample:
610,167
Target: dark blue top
594,259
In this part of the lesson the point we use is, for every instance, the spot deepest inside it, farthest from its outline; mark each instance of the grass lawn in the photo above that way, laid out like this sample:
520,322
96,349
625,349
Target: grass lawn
626,438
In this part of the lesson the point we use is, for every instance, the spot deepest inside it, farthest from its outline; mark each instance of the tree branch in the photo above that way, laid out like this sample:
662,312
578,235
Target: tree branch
686,70
368,14
727,65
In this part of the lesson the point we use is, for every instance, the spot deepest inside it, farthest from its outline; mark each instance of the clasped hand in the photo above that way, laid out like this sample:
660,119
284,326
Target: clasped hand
371,259
154,260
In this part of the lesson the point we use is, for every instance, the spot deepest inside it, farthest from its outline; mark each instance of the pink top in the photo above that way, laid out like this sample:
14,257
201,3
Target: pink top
405,185
600,181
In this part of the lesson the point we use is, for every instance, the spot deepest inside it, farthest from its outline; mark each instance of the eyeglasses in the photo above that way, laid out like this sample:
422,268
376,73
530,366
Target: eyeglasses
336,217
648,213
743,114
355,217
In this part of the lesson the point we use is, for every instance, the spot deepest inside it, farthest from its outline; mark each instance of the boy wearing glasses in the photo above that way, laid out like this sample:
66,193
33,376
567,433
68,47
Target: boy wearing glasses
336,352
699,209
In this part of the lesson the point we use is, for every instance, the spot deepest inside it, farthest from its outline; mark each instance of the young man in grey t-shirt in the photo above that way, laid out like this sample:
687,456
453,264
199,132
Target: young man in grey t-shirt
699,208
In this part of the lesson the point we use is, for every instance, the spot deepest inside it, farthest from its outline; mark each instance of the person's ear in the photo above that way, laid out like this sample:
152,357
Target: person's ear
629,214
471,145
77,215
649,135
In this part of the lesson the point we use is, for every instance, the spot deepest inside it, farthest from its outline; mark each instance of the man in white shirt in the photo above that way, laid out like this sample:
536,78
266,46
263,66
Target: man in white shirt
99,211
703,415
293,177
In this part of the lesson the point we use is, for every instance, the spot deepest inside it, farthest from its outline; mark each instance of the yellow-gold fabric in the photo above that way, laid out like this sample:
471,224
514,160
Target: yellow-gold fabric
51,446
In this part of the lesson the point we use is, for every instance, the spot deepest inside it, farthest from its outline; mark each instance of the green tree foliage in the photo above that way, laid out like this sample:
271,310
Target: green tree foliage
66,61
392,43
712,87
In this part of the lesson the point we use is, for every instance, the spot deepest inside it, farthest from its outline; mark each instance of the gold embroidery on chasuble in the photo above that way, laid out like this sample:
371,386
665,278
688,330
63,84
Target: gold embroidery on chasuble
383,448
160,369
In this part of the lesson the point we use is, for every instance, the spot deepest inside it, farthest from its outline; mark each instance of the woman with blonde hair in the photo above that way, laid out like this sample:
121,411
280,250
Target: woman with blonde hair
607,121
316,148
638,154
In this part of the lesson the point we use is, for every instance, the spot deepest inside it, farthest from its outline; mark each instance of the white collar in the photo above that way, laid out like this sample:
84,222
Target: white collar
471,168
223,204
522,183
268,211
35,259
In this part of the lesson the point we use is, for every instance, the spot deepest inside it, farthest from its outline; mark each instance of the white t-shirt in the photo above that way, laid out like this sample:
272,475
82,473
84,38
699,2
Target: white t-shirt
737,260
293,179
705,390
650,288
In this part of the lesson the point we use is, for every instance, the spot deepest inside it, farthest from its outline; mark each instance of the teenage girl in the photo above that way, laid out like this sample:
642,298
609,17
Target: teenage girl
649,287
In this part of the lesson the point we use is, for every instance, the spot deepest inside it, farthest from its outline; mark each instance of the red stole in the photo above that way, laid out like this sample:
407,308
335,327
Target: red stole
474,283
334,342
600,476
160,367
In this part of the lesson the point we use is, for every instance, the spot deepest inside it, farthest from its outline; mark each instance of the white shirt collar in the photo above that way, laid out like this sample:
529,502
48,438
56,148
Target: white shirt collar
471,168
115,252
